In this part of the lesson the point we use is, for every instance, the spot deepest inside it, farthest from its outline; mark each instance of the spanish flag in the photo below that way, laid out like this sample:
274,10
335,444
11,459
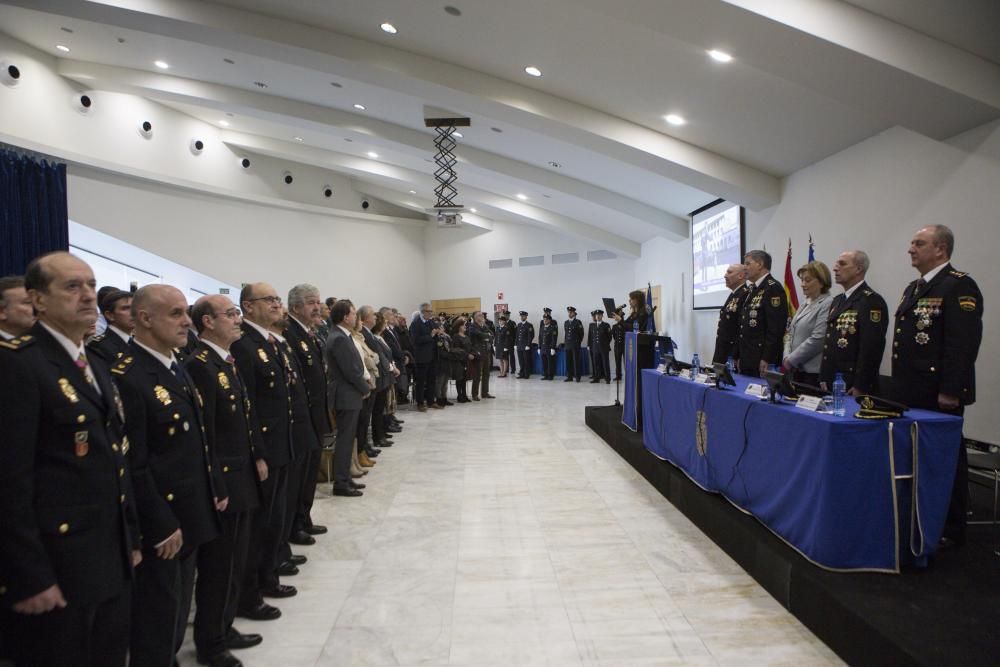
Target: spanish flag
790,293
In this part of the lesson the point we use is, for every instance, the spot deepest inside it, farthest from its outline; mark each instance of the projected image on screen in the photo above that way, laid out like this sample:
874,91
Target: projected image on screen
716,242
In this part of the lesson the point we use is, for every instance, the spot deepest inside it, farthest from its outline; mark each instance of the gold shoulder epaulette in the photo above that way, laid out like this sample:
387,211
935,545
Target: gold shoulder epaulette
868,292
202,356
98,338
958,274
121,368
18,343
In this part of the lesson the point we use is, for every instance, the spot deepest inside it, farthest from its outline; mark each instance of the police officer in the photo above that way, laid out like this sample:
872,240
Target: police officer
548,346
178,485
728,331
592,344
855,328
117,310
939,326
503,344
510,332
573,335
618,336
763,317
68,537
524,334
602,347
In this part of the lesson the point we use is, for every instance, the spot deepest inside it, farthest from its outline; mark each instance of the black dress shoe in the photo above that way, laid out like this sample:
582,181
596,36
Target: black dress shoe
279,591
372,452
262,612
350,493
302,538
568,380
448,403
398,421
298,559
594,381
316,529
607,382
236,640
393,429
224,659
488,396
383,443
357,485
287,569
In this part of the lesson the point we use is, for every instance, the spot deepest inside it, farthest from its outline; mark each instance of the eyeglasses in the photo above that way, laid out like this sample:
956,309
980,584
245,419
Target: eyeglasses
232,313
270,299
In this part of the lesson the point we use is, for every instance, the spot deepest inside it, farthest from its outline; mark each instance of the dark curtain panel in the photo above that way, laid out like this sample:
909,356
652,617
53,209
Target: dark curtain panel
33,214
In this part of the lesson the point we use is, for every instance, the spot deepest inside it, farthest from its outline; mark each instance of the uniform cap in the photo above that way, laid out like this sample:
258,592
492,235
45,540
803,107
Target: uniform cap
571,308
598,312
523,312
546,310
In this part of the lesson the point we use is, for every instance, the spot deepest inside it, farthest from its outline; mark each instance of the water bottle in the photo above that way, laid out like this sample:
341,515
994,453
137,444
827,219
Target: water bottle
695,365
839,392
730,365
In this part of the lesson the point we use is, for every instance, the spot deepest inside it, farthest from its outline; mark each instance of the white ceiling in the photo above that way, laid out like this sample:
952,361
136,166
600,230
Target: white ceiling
809,79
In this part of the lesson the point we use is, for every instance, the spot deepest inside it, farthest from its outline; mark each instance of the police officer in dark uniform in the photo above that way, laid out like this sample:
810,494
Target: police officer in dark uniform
728,331
548,346
618,336
503,344
68,537
524,334
178,485
763,318
602,347
112,344
855,329
511,334
938,329
226,409
573,336
592,344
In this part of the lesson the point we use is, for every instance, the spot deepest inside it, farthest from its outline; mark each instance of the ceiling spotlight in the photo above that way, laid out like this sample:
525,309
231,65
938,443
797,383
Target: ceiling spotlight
224,123
473,210
229,61
161,64
60,47
413,192
229,113
532,70
389,28
336,85
458,134
554,165
372,154
298,138
260,84
522,197
674,119
348,139
359,107
720,56
65,29
454,11
496,129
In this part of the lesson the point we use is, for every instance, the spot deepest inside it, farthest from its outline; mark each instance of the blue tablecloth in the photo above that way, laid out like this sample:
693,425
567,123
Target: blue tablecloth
536,356
823,484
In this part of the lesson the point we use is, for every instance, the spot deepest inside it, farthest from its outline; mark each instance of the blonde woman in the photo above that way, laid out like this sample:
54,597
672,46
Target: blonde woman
807,331
370,359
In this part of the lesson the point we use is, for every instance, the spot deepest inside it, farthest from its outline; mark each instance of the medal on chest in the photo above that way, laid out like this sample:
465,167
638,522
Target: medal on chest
847,324
925,310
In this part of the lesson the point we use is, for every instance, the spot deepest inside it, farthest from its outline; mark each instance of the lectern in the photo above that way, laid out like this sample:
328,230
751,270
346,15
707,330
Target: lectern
641,350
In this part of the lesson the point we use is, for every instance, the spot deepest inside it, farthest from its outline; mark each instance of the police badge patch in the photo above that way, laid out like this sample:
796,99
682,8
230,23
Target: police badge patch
967,303
775,301
875,315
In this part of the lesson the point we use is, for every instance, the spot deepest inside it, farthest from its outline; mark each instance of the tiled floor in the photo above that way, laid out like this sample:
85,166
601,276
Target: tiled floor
506,533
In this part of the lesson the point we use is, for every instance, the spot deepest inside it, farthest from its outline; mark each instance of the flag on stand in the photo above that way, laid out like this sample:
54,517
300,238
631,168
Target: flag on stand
812,249
790,293
650,324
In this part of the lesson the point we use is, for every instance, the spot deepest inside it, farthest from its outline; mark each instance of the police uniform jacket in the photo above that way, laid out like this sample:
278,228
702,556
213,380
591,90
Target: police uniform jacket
308,350
304,438
109,346
264,374
762,324
573,333
172,466
591,332
939,326
227,424
509,336
66,502
618,335
602,336
423,340
525,333
549,339
727,333
855,339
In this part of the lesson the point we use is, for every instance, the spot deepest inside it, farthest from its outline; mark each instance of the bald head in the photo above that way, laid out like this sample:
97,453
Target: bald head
63,292
217,320
161,319
736,275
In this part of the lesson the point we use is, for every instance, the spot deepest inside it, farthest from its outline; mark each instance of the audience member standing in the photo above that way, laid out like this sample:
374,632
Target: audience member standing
348,390
423,328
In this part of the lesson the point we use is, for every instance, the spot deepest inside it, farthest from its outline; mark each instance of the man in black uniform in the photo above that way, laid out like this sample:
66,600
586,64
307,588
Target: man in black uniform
16,313
939,326
510,331
68,537
548,346
763,317
178,486
728,332
573,334
264,373
602,347
592,344
618,336
855,329
117,311
524,334
221,562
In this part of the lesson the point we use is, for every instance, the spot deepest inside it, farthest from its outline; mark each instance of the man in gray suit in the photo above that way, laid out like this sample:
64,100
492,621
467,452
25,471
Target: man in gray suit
348,390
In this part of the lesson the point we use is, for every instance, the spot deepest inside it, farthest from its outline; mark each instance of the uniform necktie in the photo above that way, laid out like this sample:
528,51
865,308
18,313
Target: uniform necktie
229,359
84,366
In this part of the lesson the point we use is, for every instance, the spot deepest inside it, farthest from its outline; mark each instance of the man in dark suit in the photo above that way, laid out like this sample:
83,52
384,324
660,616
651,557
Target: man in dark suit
222,561
592,344
178,486
939,326
602,349
855,329
264,372
548,346
573,333
68,538
16,313
423,328
727,334
348,390
763,318
524,333
113,343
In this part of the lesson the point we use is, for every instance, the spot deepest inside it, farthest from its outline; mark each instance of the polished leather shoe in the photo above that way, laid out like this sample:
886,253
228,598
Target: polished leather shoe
224,659
316,529
364,461
357,485
287,569
393,429
373,452
279,591
488,396
448,403
262,612
298,559
236,640
302,538
398,422
594,381
435,406
350,493
475,398
383,443
568,380
464,400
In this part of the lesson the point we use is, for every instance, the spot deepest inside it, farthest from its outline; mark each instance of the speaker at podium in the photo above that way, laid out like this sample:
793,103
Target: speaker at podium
642,350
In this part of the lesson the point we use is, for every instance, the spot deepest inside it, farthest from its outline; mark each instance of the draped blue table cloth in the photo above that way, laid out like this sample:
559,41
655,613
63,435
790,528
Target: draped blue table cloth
536,366
840,490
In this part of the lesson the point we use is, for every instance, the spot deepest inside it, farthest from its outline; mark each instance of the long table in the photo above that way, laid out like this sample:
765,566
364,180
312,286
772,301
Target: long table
847,493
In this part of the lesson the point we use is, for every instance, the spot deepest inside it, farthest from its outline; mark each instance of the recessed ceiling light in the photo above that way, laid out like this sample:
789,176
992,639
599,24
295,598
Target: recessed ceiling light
554,165
674,119
298,138
224,123
496,129
522,197
454,11
161,64
228,113
121,40
389,28
532,70
348,139
65,29
720,56
372,154
359,107
458,134
413,192
260,84
336,85
64,49
229,61
473,210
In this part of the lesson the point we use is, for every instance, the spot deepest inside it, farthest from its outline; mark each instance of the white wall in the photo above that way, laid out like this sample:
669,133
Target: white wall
873,196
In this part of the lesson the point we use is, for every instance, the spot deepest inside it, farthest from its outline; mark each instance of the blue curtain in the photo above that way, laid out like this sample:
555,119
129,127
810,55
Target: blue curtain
33,214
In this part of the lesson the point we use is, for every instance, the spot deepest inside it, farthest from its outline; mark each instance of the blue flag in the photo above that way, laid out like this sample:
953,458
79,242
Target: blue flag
812,250
650,323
